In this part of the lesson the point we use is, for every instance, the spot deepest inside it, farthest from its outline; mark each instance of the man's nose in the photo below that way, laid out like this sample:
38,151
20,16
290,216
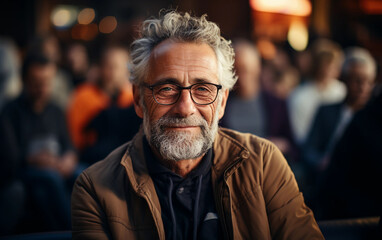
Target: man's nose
185,106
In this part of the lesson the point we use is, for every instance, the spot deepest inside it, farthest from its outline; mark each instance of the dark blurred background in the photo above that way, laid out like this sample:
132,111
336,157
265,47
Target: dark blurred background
349,22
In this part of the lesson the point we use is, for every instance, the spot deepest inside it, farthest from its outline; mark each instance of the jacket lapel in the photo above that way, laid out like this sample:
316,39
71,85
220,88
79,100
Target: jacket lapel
140,180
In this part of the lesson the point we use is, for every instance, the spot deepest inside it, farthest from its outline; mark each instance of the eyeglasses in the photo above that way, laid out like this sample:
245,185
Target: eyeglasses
169,93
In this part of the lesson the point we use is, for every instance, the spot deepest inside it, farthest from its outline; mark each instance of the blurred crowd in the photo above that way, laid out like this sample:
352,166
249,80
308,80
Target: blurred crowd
62,111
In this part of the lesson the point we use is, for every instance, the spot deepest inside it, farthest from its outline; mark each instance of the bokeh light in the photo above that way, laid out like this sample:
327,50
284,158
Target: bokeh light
290,7
86,16
298,36
108,24
64,16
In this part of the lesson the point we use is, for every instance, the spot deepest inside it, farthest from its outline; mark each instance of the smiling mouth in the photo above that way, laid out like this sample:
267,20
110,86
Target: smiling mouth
181,127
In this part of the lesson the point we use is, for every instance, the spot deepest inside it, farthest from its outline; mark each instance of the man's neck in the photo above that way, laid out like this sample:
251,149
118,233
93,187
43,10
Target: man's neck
354,105
181,167
38,106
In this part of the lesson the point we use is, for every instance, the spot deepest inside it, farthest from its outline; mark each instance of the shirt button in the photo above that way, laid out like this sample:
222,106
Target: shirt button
180,190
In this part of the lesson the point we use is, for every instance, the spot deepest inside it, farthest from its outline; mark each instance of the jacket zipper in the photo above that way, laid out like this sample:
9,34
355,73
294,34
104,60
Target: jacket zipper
225,185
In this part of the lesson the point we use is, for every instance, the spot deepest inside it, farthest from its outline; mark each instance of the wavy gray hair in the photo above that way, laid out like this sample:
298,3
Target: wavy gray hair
182,28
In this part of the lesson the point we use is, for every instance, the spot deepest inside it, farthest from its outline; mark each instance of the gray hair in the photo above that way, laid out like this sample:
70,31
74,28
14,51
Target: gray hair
182,28
358,55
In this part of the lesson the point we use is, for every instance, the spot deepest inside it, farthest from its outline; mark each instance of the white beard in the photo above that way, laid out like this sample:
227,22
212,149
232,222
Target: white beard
180,145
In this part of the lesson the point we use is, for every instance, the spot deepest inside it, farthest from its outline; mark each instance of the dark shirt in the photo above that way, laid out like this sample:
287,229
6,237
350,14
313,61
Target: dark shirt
352,184
185,201
25,132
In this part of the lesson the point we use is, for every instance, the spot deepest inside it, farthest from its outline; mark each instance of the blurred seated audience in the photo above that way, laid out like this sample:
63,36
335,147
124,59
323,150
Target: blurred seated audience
49,45
280,81
323,88
36,147
114,126
302,61
358,74
110,88
253,110
77,63
353,183
10,82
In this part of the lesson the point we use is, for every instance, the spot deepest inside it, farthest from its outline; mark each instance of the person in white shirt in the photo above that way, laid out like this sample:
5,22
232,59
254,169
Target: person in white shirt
323,88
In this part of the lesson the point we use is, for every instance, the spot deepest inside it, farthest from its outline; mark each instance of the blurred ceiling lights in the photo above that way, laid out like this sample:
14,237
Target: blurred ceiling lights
86,16
298,35
81,22
371,6
290,7
63,16
108,24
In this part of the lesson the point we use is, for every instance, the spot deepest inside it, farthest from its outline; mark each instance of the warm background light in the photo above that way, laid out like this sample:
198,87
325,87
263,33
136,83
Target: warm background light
108,24
84,32
266,48
290,7
63,16
86,16
298,36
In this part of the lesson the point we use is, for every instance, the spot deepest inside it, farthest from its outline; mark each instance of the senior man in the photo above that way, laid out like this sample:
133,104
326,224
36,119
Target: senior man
182,177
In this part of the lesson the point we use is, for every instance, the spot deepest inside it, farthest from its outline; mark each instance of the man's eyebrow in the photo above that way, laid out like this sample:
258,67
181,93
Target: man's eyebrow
167,80
177,82
201,80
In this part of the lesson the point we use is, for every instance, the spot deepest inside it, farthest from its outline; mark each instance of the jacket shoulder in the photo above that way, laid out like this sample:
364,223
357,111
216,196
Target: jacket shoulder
107,168
231,145
246,141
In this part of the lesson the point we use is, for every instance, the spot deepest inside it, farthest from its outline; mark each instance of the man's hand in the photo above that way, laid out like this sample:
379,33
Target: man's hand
67,164
43,159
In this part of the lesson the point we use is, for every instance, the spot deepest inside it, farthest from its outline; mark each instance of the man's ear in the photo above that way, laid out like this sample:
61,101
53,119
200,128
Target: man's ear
137,100
223,103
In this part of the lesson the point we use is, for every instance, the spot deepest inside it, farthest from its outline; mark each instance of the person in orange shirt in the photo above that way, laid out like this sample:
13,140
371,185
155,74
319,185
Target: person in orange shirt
112,87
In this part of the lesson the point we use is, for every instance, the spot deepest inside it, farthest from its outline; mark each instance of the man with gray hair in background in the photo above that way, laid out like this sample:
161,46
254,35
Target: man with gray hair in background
183,177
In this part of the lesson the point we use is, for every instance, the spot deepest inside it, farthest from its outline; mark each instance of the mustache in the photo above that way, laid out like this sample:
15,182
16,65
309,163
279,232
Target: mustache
173,121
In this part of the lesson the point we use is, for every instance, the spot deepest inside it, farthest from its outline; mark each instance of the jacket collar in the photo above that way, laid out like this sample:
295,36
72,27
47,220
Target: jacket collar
229,154
225,146
135,163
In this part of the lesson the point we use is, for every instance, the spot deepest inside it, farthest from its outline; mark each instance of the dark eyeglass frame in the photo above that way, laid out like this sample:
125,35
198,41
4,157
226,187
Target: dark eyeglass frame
180,88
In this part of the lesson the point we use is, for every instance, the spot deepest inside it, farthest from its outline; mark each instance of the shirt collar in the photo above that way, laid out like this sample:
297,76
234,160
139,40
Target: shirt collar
156,168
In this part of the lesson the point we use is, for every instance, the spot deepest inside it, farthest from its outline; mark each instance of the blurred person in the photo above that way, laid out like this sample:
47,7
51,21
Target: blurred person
358,74
253,110
281,81
181,177
352,185
111,87
36,145
323,88
77,63
10,82
113,126
62,86
302,60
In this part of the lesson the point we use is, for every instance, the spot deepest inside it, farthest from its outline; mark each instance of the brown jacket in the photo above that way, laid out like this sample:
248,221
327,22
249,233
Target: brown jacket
255,191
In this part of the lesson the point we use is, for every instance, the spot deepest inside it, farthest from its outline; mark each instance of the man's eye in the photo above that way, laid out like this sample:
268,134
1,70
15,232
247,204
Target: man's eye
166,89
202,89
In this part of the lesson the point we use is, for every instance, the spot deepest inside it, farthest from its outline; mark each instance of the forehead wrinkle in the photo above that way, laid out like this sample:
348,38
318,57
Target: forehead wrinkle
184,63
